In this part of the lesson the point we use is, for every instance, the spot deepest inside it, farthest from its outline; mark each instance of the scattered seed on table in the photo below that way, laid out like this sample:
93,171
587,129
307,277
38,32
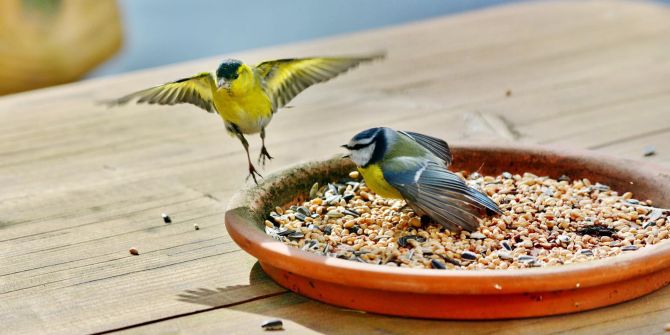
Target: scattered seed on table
166,218
273,325
649,150
196,227
508,93
133,251
577,221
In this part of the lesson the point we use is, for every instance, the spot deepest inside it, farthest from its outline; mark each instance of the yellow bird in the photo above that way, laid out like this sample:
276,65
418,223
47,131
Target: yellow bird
246,97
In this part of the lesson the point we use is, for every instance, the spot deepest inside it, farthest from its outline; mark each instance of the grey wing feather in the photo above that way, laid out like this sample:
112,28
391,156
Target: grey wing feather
437,146
442,195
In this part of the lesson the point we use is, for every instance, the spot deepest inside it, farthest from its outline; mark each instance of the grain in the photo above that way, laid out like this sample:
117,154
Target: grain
545,222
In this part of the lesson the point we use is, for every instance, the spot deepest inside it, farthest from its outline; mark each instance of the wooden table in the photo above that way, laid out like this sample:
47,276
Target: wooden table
81,184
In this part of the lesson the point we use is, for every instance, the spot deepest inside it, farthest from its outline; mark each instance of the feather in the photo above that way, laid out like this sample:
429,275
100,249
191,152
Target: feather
197,90
285,78
437,146
437,192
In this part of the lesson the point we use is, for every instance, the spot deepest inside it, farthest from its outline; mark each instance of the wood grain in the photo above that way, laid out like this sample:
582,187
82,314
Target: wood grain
81,184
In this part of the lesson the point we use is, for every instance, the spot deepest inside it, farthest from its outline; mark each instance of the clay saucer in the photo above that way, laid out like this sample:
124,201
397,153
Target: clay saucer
461,294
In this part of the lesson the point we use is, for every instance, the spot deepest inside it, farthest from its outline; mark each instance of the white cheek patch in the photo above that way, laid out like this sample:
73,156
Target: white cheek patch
363,155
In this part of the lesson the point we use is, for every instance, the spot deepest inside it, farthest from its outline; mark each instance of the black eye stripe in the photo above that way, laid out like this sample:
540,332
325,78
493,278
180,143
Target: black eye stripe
358,146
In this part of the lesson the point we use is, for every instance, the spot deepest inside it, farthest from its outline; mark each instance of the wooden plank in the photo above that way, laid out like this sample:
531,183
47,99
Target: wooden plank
300,315
81,183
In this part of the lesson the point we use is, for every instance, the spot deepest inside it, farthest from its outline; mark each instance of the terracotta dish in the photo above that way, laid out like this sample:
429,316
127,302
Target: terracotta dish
463,294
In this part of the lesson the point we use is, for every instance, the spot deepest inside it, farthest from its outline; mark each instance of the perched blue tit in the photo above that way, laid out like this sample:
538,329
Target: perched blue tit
413,167
246,96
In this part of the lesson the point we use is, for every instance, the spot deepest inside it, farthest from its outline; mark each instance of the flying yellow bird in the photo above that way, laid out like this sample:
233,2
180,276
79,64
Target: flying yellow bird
246,97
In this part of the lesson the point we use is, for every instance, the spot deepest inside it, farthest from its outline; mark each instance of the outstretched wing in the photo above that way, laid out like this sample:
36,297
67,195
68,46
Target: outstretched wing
285,78
437,146
438,193
198,90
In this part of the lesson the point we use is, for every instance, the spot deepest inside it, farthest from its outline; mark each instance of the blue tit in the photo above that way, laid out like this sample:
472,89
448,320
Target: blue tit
413,167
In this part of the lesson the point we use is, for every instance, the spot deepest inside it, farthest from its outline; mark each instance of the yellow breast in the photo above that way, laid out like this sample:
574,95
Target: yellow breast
374,178
250,111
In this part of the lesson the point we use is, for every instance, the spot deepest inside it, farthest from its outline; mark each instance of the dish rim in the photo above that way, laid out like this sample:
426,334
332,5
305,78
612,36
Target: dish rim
248,234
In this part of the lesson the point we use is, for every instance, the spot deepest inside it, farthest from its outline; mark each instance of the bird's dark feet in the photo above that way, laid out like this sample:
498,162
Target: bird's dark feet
253,173
263,156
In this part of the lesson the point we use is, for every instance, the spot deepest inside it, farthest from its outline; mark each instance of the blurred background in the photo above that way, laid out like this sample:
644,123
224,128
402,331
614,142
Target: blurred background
48,42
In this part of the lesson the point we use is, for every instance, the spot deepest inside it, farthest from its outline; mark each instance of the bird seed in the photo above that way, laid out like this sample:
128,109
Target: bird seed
545,222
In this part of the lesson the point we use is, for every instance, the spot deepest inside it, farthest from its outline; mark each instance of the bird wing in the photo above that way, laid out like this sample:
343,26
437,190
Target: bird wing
437,192
197,90
285,78
437,146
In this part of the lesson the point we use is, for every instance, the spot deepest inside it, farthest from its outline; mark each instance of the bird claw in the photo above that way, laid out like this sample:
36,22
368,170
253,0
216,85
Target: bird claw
253,173
263,156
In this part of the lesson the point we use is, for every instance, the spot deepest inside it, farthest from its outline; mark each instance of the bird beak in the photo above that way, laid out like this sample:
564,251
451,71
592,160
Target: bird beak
222,83
346,156
344,146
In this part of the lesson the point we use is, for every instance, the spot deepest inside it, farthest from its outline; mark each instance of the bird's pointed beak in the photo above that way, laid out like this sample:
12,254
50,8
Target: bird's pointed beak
346,156
344,146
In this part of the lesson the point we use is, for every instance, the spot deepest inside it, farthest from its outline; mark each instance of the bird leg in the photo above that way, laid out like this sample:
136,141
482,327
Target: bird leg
264,152
252,170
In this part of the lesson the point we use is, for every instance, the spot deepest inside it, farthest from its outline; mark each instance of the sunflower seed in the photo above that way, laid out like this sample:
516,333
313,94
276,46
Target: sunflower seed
469,255
649,150
333,189
450,260
507,175
296,235
629,248
403,241
526,259
563,178
304,211
286,232
351,212
648,224
594,230
300,217
586,252
437,264
327,230
273,218
272,325
506,245
166,218
333,199
601,187
313,191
